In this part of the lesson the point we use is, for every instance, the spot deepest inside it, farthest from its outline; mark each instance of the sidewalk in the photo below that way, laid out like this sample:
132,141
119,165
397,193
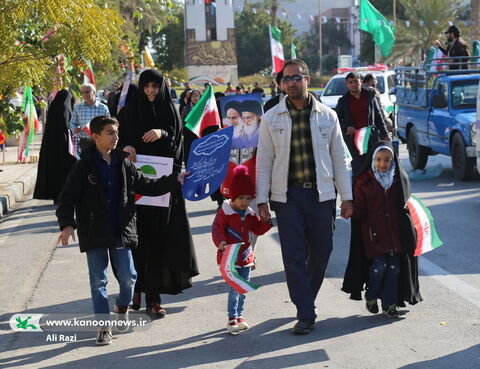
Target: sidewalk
17,180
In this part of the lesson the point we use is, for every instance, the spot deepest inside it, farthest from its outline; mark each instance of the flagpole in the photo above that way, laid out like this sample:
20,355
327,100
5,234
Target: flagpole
320,51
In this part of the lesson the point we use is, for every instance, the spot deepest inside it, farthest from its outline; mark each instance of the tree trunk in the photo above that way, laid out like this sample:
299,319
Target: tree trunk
273,12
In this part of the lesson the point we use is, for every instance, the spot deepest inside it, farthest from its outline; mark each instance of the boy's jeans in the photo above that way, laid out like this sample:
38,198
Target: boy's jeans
98,272
383,279
235,300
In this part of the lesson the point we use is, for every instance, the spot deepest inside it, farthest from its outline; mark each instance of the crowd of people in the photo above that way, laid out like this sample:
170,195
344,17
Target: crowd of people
293,158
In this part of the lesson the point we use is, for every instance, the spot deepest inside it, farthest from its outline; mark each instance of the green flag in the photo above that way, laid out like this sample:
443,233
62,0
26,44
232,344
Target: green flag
294,51
372,21
476,50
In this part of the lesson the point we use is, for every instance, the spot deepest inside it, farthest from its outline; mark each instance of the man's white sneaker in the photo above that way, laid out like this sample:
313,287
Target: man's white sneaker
242,324
232,327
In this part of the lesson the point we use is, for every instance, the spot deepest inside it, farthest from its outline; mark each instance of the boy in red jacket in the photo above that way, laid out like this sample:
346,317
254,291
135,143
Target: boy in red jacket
234,223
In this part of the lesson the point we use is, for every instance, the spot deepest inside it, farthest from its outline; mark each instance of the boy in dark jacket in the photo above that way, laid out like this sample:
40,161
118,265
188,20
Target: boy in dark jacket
234,223
100,188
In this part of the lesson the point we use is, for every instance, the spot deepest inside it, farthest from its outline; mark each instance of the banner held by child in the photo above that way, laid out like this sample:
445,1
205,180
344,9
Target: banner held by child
427,237
229,272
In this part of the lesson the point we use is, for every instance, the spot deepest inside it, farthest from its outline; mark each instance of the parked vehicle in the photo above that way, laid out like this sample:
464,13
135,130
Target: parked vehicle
436,114
335,87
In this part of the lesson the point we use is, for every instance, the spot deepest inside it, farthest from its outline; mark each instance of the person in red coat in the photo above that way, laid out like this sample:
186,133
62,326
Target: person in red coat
378,207
234,223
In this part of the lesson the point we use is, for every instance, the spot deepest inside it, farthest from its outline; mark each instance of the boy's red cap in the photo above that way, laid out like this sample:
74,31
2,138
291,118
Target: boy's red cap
242,184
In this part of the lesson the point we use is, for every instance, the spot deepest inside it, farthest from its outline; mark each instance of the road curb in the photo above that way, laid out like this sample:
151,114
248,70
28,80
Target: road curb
16,190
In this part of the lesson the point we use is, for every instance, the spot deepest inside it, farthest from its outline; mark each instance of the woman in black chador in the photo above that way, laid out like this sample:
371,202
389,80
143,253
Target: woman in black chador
55,162
165,258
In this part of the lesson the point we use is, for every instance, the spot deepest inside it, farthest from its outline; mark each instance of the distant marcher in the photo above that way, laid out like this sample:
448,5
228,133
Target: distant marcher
356,109
112,107
165,258
238,90
83,113
456,46
55,160
273,88
100,191
188,135
234,222
382,238
301,164
182,96
229,90
258,89
369,82
171,91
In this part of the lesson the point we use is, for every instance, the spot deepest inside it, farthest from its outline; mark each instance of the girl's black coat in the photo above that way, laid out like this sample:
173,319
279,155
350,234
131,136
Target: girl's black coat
83,193
356,273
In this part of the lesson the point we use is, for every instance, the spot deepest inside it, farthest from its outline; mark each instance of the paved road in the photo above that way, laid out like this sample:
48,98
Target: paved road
442,332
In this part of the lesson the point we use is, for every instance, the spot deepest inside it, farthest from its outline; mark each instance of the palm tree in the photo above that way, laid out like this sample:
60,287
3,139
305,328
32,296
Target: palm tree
427,22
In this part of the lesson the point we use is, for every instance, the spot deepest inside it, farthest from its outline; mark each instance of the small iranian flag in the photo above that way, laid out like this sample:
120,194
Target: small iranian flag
361,138
427,237
435,53
86,129
204,114
88,74
229,272
31,125
72,148
277,49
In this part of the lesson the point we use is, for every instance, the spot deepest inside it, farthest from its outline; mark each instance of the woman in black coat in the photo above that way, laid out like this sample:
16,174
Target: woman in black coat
356,274
165,258
55,161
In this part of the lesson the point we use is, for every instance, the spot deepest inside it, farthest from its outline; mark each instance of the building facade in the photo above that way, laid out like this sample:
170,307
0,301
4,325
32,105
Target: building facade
210,41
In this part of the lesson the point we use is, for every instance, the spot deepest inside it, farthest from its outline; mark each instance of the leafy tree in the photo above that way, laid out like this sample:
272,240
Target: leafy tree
35,32
334,36
253,45
169,42
427,23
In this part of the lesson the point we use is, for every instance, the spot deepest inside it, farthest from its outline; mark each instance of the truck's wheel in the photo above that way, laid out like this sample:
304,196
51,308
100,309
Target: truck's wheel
463,166
417,154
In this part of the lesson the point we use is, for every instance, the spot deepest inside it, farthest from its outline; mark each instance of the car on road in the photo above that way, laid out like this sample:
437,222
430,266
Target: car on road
335,87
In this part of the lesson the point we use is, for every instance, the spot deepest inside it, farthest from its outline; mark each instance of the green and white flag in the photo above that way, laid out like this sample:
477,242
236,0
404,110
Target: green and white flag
293,50
435,53
372,21
427,237
476,51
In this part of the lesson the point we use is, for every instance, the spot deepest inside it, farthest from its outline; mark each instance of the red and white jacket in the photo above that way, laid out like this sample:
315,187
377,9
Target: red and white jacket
229,227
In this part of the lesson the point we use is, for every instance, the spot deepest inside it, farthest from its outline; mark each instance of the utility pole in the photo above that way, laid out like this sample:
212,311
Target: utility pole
320,51
273,12
395,11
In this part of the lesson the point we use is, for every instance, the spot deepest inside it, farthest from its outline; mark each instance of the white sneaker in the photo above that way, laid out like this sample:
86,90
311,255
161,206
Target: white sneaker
242,324
232,327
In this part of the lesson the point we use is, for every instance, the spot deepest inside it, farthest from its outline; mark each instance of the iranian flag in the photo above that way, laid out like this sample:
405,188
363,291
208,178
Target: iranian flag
361,138
86,129
88,75
427,237
435,53
72,148
229,272
277,49
31,125
204,114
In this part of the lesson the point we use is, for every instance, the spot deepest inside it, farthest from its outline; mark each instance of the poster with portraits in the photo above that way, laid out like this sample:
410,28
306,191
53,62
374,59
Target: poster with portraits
243,112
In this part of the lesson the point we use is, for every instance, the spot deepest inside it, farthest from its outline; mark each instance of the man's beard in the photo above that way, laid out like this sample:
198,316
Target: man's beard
250,130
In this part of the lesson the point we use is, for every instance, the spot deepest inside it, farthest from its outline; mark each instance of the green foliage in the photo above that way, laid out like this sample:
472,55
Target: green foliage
410,41
177,75
35,32
253,45
169,42
10,117
333,37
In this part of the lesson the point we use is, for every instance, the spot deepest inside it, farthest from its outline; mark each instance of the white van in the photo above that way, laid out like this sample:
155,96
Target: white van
335,88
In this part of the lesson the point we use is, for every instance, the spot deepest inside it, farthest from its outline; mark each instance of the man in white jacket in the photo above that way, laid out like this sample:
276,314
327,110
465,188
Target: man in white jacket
300,160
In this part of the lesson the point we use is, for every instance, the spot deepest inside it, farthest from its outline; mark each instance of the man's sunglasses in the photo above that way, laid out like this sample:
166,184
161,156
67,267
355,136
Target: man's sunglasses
296,78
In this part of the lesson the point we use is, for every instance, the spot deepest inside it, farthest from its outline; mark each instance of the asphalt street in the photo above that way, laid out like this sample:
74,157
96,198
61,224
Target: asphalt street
442,332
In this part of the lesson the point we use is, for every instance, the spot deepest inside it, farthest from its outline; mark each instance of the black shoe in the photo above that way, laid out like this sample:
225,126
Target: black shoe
136,300
303,326
391,312
372,306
